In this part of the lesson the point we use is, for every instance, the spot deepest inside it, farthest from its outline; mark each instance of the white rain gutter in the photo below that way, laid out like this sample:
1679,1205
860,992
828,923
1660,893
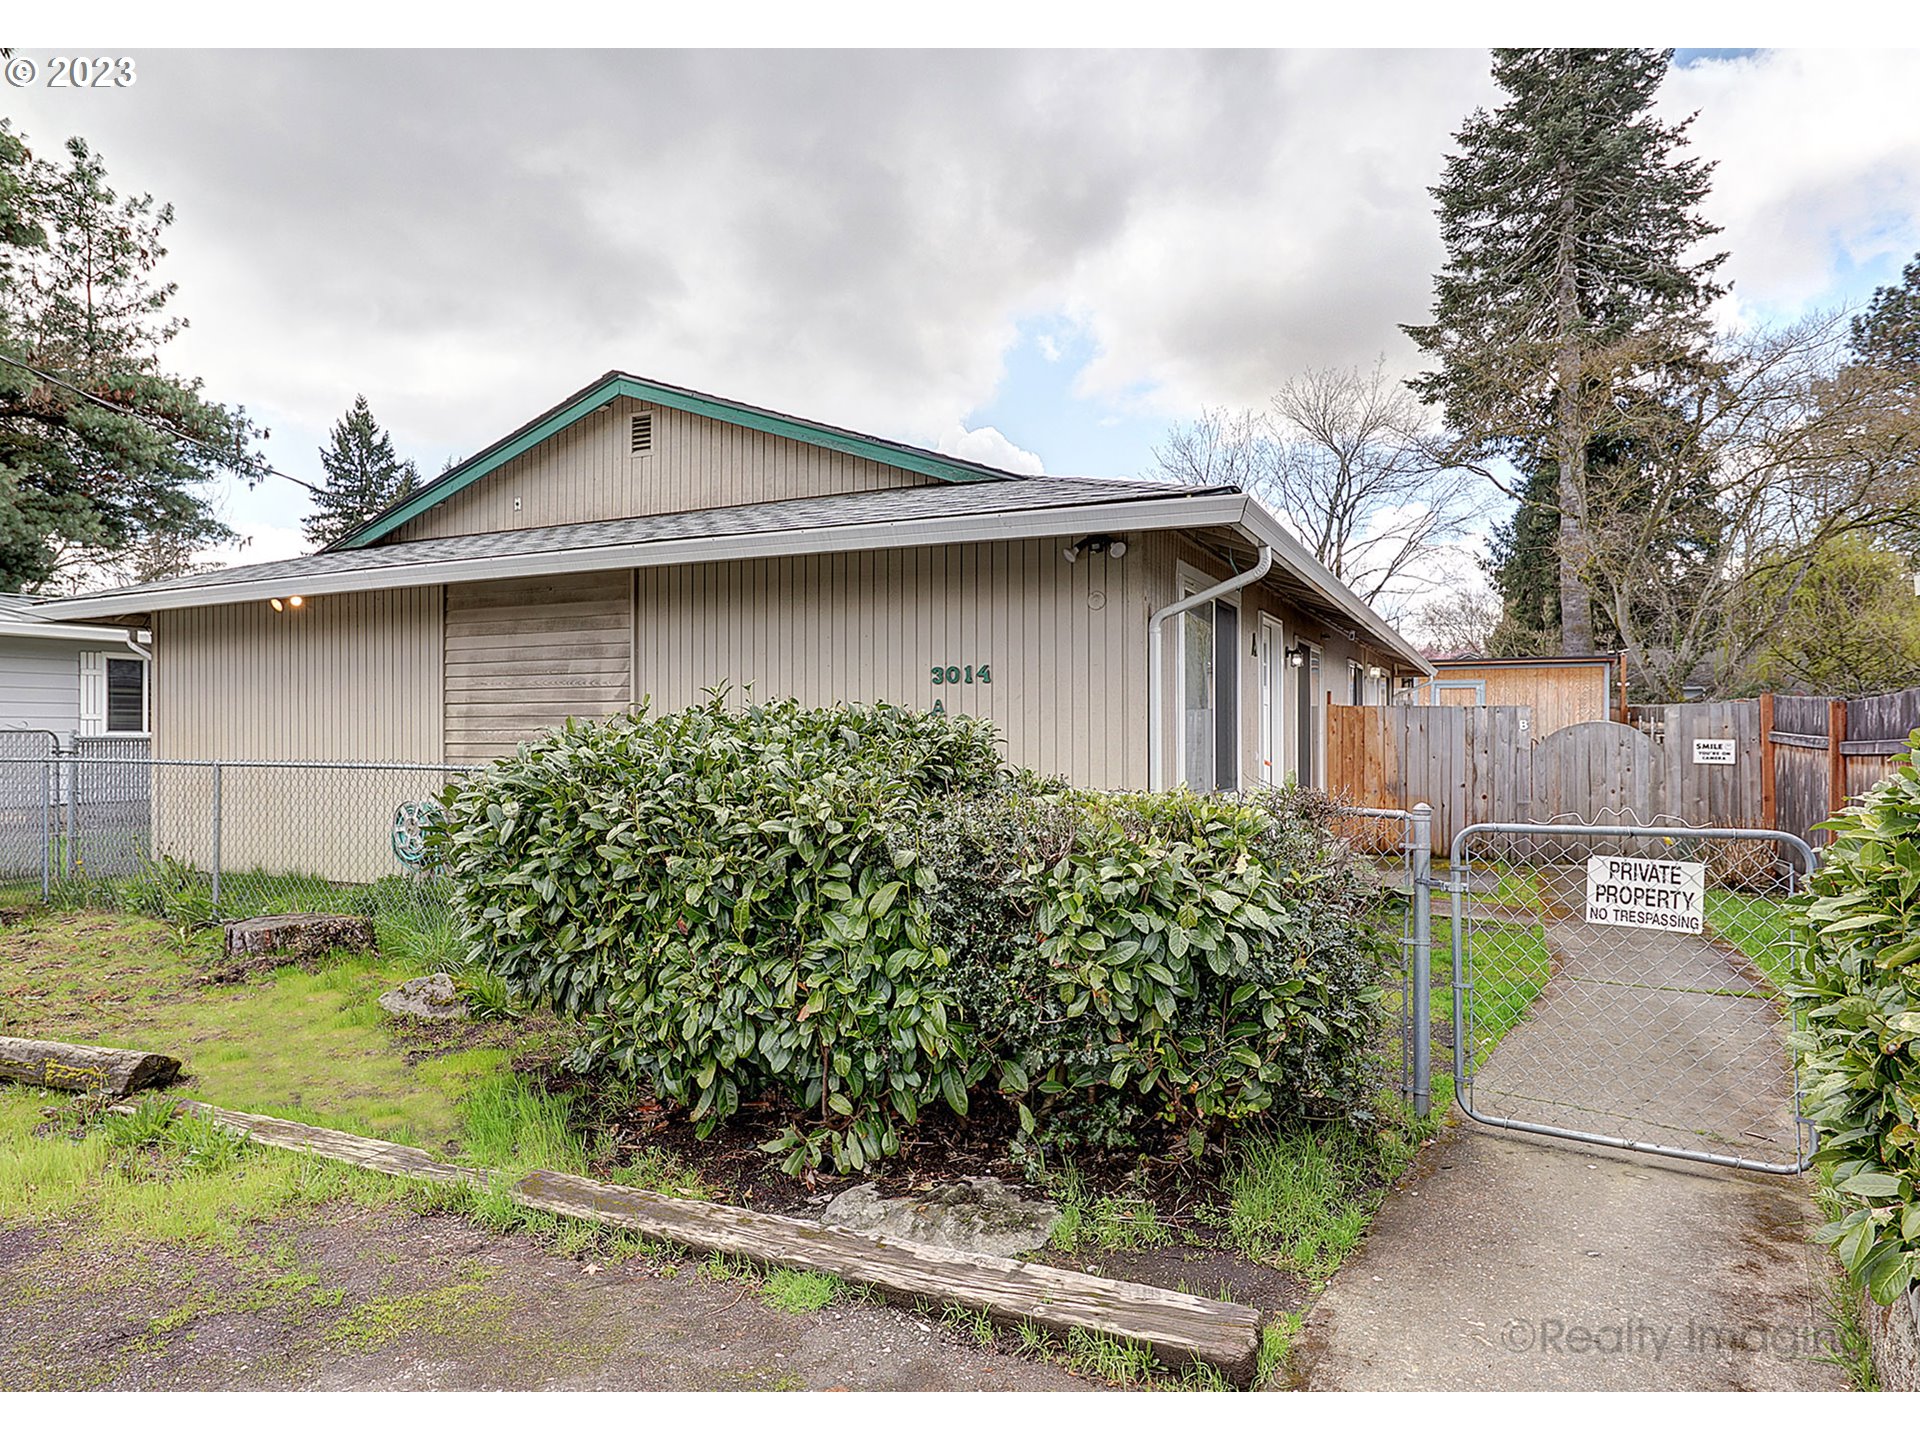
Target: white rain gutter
1156,628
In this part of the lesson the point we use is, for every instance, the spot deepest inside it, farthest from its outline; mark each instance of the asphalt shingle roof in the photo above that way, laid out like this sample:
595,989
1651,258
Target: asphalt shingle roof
918,502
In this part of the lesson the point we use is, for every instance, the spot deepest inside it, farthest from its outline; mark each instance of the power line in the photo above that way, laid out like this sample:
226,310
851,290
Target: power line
156,423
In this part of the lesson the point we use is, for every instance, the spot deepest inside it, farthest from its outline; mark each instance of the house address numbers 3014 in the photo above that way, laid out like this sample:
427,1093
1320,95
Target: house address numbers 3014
980,673
963,674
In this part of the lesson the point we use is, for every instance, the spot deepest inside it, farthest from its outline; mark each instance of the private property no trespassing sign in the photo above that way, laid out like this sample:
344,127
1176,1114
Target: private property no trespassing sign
1646,894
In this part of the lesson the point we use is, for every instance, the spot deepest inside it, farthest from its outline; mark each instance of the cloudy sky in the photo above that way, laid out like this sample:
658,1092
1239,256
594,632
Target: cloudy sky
1038,259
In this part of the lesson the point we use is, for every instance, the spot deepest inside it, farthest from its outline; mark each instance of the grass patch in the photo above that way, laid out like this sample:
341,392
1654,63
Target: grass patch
1107,1222
508,1126
304,1046
801,1292
1276,1347
179,1182
1757,927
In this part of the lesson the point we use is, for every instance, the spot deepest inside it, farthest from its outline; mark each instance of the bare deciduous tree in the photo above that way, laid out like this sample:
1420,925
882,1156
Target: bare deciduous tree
1738,489
1344,457
1463,620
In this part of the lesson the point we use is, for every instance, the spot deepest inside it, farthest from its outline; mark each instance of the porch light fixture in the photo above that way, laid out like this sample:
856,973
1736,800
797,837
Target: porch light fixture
276,604
1374,672
1098,544
1296,657
296,601
292,602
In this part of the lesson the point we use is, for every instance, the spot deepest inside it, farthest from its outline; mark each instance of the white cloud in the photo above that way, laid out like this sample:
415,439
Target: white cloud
1818,170
988,446
855,236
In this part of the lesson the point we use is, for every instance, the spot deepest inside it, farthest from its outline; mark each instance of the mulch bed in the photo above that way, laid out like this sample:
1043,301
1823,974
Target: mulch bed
942,1148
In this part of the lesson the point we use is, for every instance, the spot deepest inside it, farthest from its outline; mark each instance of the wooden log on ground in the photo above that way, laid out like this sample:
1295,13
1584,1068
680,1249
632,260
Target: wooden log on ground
91,1068
1179,1328
381,1155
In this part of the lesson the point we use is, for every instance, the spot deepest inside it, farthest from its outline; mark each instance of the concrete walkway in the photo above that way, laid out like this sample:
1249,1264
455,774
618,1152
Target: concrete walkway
1507,1262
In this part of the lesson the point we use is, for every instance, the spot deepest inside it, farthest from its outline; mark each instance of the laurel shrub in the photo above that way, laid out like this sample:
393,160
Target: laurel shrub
1856,994
859,913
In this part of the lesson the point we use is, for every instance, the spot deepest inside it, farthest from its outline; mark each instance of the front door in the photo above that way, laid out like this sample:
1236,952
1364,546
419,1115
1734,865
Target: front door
1273,702
1304,672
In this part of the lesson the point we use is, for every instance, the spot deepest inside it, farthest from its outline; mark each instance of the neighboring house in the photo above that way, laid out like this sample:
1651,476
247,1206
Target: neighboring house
66,679
641,541
1561,690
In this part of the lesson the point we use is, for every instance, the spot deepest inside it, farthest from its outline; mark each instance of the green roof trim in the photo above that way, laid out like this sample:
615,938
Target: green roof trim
616,385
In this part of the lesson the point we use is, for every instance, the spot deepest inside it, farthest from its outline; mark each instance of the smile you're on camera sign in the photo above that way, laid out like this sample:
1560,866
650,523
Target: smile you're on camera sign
1647,894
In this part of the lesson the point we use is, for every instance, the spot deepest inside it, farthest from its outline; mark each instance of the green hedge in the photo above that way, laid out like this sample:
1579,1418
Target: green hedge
1856,991
860,912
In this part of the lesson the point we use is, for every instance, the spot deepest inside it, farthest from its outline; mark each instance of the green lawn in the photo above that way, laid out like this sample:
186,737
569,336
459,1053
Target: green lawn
1758,927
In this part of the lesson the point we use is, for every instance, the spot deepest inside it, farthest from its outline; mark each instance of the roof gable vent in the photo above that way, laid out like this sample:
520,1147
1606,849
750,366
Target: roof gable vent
641,433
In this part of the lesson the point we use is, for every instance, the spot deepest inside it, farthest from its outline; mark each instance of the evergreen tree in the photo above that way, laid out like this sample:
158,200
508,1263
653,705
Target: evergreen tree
1568,296
1524,564
364,476
1887,335
105,457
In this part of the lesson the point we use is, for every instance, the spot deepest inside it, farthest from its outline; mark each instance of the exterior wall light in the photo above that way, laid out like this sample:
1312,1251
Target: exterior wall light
276,605
1296,657
296,601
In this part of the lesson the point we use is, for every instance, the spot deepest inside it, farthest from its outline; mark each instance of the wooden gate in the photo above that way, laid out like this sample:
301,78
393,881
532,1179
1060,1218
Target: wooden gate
1478,764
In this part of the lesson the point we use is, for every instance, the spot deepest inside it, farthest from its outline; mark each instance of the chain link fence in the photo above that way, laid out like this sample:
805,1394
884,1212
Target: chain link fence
1620,984
1396,842
208,840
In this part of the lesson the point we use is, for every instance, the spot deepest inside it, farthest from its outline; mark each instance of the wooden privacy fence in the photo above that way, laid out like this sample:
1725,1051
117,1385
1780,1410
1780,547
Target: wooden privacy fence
1827,752
1484,764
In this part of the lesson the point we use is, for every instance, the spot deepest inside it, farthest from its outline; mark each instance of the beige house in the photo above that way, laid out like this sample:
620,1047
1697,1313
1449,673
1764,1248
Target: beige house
643,542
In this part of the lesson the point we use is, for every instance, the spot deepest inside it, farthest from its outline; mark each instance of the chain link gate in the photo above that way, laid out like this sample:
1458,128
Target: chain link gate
1618,985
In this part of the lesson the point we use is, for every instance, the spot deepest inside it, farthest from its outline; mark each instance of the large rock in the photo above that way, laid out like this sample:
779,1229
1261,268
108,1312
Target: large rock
977,1214
431,997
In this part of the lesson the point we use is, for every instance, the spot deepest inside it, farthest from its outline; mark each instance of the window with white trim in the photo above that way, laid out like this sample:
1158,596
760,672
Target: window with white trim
113,694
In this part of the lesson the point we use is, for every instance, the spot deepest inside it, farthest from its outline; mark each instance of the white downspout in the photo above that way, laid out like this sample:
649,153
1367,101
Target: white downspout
1156,623
133,644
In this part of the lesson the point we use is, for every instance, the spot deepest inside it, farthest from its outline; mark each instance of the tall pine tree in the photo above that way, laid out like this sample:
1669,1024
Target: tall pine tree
1571,290
364,476
106,456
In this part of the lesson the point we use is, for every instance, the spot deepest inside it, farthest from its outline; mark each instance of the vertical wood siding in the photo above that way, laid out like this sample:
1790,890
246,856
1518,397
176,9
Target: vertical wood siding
523,655
345,677
1558,695
1065,644
587,472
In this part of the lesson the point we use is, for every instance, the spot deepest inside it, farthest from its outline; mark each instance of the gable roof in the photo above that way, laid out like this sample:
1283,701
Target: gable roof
1010,508
617,384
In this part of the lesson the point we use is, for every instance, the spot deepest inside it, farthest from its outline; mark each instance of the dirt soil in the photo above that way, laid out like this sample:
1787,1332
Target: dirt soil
945,1148
387,1300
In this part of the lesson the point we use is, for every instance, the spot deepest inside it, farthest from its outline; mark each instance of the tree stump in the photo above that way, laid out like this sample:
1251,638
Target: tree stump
269,941
117,1073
